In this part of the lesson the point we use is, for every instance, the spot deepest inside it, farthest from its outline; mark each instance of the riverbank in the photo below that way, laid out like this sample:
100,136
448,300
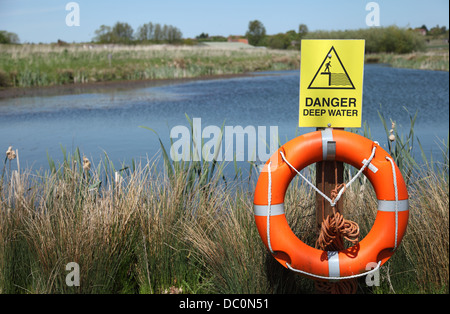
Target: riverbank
26,69
143,230
435,60
99,87
48,65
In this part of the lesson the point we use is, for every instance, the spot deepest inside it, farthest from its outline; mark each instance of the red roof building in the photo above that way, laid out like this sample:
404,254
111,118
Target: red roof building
237,39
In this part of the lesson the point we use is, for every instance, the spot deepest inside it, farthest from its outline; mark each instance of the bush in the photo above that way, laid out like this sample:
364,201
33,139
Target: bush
8,38
381,39
4,79
279,41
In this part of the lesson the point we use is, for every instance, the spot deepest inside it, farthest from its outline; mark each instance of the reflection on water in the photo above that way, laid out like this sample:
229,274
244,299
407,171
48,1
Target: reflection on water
109,121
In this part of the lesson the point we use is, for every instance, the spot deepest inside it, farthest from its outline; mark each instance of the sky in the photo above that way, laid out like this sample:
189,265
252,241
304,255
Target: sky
45,20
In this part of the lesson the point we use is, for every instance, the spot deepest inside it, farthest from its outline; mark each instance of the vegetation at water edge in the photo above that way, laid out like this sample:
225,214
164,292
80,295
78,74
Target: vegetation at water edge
185,228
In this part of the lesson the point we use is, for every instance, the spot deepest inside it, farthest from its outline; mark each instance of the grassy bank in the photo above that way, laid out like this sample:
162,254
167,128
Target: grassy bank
46,65
51,65
433,59
183,229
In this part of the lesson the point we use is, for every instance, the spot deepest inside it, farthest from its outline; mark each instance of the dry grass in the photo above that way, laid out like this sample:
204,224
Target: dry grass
427,240
437,59
44,65
146,231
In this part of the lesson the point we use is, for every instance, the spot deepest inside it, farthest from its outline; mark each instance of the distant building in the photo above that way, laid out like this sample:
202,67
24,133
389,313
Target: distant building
421,31
237,39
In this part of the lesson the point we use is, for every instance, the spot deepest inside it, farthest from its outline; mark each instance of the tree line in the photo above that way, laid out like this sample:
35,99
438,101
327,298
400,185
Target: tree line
436,31
378,39
256,35
123,33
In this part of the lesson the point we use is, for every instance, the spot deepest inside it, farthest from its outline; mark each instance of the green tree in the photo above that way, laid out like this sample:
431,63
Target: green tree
157,34
302,30
436,31
8,38
256,33
279,41
424,27
103,34
202,36
292,35
122,33
173,35
145,32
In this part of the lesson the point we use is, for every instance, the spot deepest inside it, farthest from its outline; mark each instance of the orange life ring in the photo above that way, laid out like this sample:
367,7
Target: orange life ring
391,219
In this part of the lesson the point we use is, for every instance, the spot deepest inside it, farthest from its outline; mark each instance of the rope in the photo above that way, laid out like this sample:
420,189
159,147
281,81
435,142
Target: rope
356,176
334,278
312,185
333,230
269,201
394,176
332,202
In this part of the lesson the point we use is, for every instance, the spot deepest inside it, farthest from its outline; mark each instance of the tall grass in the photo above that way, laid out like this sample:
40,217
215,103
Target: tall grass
44,65
47,65
142,229
437,60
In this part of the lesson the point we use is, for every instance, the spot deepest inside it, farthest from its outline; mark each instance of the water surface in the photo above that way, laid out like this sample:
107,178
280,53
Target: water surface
109,121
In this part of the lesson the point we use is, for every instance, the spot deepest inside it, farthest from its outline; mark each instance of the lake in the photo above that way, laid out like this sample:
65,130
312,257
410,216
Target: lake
109,121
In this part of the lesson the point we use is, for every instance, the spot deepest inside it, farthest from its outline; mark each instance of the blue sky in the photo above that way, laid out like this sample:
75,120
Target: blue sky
44,20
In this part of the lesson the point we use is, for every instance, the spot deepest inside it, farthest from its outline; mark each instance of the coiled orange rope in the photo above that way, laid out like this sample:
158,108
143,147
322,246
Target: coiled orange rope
333,231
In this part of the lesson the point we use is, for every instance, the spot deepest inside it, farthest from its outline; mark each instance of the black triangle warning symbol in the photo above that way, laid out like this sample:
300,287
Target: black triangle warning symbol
331,74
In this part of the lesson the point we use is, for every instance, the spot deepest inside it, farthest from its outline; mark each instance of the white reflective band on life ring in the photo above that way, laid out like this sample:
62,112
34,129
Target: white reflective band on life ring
328,145
389,206
262,210
333,264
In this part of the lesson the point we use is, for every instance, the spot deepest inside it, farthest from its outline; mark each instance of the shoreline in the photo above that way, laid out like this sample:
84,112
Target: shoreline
42,70
92,87
397,61
73,68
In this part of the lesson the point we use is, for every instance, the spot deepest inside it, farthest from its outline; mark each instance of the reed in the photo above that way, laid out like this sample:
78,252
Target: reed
436,60
184,229
45,65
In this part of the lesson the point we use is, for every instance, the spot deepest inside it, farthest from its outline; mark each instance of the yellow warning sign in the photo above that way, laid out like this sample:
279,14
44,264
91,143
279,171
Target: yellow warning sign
331,83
